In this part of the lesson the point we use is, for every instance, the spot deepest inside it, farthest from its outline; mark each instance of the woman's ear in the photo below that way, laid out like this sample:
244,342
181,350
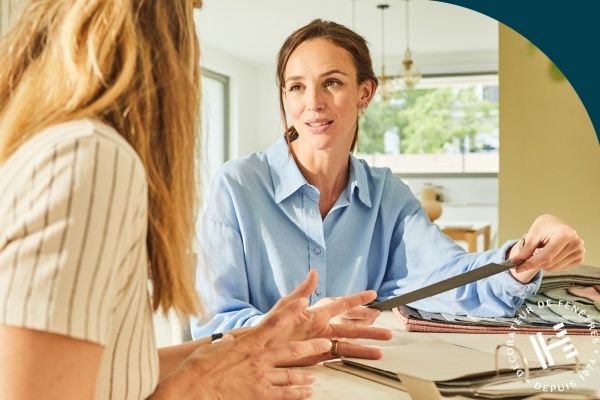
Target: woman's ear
366,91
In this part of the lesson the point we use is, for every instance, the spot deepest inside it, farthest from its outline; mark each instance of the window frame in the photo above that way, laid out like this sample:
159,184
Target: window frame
225,80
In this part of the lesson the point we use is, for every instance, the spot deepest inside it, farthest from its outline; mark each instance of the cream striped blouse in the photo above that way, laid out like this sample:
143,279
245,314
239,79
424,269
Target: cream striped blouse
73,225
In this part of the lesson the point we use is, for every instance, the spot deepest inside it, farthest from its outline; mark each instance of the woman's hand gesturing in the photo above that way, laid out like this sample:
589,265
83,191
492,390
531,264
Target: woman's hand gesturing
320,322
246,367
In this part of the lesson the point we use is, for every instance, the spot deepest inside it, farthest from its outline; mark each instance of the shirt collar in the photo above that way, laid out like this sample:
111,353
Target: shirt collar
287,178
358,181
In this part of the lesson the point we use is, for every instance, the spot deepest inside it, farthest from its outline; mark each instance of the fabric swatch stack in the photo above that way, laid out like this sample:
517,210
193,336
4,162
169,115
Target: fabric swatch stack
571,298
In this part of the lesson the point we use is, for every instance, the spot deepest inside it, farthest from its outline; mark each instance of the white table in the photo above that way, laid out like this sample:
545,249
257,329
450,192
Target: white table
332,384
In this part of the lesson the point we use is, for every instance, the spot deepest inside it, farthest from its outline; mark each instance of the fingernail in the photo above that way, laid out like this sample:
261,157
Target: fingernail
308,392
378,351
310,378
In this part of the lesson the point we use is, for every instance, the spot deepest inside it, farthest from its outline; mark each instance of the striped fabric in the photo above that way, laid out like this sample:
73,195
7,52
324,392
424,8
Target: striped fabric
73,224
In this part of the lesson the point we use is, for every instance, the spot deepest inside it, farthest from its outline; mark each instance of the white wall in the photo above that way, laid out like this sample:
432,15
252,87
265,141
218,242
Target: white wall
270,127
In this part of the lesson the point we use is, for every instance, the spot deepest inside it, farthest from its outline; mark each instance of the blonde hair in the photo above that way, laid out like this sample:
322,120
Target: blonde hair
132,64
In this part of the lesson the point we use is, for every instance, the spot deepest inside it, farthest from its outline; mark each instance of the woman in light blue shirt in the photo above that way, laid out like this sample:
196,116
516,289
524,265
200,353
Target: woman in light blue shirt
308,203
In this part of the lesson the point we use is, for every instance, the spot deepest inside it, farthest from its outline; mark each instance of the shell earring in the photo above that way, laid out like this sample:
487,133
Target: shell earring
361,112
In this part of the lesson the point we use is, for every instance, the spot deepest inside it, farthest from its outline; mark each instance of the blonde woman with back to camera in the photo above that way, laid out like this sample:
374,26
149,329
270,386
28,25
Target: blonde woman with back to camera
98,104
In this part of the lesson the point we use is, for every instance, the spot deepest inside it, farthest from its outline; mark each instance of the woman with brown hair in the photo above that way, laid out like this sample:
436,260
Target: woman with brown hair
308,203
98,108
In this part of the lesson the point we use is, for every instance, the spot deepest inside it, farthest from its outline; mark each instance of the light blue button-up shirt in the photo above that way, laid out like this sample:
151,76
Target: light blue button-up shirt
262,231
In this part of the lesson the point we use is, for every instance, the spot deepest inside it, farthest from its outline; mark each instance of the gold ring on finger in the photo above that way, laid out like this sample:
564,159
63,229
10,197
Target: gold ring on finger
334,348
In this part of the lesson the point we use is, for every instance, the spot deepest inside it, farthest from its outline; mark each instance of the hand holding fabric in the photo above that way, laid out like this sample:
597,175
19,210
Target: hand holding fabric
549,245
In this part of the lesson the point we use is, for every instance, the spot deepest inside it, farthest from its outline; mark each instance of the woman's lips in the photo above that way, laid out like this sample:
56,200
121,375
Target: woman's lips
318,126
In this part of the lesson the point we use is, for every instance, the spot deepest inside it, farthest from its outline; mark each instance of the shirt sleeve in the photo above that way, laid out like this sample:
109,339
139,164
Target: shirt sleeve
221,276
422,255
59,241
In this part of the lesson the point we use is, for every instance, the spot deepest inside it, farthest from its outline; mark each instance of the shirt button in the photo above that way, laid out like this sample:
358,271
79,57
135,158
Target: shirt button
312,212
318,291
317,250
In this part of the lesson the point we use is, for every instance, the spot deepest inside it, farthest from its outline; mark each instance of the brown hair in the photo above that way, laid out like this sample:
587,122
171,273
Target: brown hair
340,36
132,64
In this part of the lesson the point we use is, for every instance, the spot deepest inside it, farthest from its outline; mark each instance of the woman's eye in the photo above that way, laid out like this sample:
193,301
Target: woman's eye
294,88
332,83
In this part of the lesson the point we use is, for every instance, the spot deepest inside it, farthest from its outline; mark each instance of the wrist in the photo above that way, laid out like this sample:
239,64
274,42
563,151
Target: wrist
180,383
164,391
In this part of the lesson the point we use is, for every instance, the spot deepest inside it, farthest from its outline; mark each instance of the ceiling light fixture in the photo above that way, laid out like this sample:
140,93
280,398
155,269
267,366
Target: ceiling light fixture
410,73
387,85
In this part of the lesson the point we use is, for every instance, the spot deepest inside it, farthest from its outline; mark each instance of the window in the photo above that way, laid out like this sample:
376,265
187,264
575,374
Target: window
448,124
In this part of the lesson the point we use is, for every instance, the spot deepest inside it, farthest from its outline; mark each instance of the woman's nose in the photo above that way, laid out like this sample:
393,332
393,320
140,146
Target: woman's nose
315,100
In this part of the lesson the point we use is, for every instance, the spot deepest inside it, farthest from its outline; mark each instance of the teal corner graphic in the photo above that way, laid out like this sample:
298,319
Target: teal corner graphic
566,31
